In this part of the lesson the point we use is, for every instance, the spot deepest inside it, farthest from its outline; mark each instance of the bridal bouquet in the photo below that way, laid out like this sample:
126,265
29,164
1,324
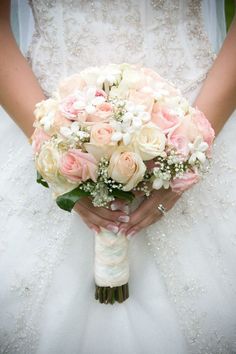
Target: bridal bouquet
110,131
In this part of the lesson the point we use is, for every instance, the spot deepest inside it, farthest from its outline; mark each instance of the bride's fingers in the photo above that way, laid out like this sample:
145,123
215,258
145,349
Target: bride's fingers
144,210
115,216
91,218
93,227
148,213
143,223
120,205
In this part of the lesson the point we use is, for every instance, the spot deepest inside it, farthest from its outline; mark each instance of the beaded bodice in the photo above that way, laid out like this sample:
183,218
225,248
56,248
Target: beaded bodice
165,35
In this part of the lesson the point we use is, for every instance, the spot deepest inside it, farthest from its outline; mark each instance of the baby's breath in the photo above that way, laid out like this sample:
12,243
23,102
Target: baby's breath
119,109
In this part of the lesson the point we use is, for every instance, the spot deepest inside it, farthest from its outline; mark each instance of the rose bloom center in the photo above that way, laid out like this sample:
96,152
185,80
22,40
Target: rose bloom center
127,164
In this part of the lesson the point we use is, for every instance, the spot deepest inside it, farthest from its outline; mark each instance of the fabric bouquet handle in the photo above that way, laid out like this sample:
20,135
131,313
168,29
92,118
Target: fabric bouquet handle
111,267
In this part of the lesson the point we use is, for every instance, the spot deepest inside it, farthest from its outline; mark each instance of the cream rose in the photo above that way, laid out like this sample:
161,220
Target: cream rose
45,106
100,141
90,75
44,113
101,134
142,98
47,164
126,167
149,141
132,78
48,117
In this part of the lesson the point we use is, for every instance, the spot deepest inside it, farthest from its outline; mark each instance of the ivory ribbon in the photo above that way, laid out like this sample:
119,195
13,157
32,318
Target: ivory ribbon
111,259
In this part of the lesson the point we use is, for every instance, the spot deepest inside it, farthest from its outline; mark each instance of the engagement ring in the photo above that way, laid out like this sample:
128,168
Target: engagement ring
161,208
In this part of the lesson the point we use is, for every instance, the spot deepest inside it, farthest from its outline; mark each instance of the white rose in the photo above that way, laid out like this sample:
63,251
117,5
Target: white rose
149,141
132,78
178,104
126,167
90,75
110,73
47,164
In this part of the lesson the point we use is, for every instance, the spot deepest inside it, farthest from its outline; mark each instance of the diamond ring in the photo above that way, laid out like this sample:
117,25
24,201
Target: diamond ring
161,208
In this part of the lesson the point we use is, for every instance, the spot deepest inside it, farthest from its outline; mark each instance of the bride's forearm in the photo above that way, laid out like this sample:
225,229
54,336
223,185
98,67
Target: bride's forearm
217,97
19,88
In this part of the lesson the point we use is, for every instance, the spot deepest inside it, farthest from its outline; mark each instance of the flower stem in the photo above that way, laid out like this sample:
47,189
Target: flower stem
108,295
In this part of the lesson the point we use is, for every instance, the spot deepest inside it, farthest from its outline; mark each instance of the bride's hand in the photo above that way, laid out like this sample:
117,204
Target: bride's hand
147,213
101,217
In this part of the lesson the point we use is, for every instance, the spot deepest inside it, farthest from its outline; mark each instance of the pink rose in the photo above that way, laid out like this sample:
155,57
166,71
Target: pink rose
101,134
142,98
204,126
183,183
38,138
60,121
187,128
163,118
154,80
71,84
73,108
151,73
100,93
78,166
102,113
194,125
180,143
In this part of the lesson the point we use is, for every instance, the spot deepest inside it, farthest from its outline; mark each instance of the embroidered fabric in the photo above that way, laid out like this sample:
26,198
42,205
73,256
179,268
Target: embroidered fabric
143,32
182,269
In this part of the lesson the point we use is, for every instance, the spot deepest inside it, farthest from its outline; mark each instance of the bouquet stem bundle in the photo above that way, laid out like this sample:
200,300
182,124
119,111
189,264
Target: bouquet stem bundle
108,295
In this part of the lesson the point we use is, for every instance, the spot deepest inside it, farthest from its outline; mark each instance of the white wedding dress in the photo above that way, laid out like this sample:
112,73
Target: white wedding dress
183,268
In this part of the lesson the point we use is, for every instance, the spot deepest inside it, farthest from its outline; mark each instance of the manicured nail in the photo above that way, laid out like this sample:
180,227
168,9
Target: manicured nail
114,207
119,206
122,230
131,234
113,228
125,209
123,218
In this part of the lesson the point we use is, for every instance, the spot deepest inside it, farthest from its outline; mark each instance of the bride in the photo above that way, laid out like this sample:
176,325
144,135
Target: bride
183,265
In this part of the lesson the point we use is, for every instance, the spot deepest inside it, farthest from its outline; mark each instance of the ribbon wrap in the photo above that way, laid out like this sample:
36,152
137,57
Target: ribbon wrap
111,266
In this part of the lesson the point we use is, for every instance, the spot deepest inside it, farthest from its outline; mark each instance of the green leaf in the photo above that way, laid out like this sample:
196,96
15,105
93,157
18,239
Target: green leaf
41,180
67,201
123,195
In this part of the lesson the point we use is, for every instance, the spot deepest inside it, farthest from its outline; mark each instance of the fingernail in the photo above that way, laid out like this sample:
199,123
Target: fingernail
131,234
125,209
123,218
113,228
122,230
114,206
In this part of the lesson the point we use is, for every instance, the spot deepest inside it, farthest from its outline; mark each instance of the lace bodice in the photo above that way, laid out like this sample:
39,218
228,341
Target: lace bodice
165,35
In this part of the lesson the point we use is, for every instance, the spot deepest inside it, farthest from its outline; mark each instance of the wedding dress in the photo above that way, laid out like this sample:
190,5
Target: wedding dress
183,268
